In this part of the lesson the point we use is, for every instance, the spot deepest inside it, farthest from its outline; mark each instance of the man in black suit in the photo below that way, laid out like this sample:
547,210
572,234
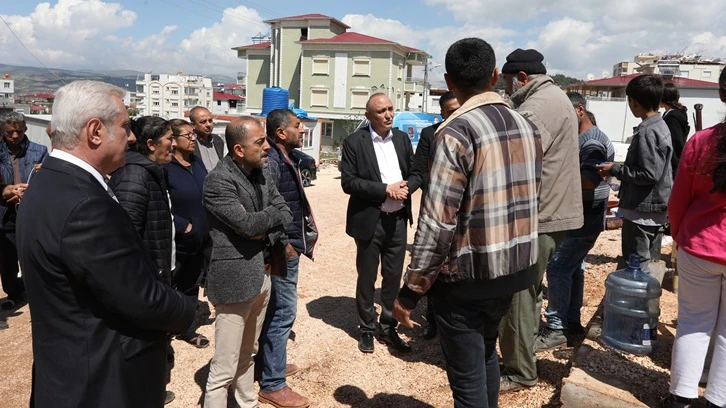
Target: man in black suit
100,311
209,147
376,162
420,177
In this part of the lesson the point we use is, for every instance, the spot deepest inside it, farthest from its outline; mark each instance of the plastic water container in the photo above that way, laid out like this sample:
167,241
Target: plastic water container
274,98
632,308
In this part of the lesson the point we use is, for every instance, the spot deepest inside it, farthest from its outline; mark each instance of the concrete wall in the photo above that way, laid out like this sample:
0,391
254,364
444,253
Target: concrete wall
258,78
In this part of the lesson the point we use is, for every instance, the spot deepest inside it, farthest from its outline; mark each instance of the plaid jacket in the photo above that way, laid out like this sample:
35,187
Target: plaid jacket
479,218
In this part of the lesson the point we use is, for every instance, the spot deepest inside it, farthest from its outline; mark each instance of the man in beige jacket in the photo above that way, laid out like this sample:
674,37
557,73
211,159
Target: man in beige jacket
538,99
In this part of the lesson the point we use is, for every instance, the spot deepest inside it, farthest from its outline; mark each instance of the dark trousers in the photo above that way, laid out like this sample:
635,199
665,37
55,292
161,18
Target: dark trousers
12,285
468,328
388,246
642,240
187,276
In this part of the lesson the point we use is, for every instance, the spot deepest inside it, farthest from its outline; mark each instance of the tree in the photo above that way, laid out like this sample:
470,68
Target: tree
564,81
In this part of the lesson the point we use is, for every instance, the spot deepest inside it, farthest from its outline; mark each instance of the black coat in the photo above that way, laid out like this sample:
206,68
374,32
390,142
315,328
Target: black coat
186,186
361,179
419,177
677,121
140,187
100,312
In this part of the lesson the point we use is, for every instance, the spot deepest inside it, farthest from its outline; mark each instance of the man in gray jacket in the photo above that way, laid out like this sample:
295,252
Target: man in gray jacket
538,99
247,219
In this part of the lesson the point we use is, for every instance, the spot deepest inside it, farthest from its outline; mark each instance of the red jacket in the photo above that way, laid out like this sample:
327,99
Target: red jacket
697,216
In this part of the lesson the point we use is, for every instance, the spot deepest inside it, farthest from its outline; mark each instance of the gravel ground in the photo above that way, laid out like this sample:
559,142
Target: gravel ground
334,372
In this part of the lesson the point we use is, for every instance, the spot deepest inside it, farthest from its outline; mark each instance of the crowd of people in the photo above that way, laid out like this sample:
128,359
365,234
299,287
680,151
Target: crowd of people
147,211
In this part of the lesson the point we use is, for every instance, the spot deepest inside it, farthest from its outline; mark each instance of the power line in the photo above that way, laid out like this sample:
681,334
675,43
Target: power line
214,7
272,12
200,14
29,52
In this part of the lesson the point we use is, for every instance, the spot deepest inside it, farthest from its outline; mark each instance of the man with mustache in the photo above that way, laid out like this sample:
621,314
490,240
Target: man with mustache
210,147
376,162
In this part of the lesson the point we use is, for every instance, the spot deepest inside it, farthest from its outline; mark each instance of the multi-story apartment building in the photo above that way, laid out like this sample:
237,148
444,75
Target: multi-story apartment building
170,95
330,72
7,91
684,66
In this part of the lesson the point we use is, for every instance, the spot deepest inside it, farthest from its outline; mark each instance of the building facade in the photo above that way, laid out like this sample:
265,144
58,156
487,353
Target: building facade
683,66
7,91
170,95
329,71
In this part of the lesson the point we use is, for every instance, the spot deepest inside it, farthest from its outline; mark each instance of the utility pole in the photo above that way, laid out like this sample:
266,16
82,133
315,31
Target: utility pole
425,85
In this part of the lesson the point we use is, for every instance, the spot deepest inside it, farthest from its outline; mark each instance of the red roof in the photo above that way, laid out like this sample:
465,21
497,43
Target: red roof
258,46
350,37
226,96
623,80
39,96
37,108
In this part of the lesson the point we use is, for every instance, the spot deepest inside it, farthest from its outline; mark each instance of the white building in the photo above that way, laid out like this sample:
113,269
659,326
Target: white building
684,66
7,91
170,95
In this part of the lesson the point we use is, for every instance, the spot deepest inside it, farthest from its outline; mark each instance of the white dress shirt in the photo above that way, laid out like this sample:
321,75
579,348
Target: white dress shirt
67,157
388,165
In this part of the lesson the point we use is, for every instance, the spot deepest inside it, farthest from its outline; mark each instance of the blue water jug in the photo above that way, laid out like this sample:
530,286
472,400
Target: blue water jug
632,308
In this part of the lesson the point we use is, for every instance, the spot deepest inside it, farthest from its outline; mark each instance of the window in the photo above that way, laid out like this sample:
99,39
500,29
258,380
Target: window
361,67
155,92
327,130
358,98
6,85
219,102
307,138
320,66
303,34
154,77
319,97
175,104
684,74
706,74
400,71
155,103
175,92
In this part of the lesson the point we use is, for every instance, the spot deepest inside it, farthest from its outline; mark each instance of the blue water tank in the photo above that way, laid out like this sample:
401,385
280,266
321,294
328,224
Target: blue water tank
274,98
632,308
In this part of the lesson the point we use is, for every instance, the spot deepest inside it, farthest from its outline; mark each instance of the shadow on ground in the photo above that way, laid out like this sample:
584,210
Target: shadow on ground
350,395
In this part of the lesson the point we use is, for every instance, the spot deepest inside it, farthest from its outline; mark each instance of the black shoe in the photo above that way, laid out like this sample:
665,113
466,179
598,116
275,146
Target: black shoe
169,397
430,330
3,325
391,338
673,401
549,339
365,344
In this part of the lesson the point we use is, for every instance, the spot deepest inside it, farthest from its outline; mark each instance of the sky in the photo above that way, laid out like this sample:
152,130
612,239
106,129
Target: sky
577,38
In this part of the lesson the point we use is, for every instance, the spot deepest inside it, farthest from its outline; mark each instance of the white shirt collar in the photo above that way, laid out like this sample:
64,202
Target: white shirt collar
67,157
374,134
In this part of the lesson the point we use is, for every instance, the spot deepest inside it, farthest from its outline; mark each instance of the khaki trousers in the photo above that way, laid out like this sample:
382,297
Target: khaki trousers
236,330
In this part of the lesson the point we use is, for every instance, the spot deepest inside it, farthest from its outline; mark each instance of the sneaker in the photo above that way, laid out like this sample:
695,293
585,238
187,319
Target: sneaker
673,401
506,385
549,339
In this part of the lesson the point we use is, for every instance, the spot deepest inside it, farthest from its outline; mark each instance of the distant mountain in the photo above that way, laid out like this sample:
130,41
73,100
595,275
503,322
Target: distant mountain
40,80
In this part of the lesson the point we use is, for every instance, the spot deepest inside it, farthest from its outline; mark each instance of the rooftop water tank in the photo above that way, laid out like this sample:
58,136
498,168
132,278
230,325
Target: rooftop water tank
274,98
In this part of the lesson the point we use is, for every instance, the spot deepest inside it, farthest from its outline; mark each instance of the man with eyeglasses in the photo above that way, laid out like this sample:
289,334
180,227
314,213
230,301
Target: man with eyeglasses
21,158
210,147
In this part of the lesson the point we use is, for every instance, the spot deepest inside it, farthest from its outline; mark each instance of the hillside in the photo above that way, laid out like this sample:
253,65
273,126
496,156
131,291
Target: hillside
34,79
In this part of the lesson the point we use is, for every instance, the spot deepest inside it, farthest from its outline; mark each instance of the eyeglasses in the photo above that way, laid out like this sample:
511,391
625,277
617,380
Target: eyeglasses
190,135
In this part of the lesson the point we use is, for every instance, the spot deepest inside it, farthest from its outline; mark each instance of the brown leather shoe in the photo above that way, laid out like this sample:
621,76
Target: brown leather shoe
285,397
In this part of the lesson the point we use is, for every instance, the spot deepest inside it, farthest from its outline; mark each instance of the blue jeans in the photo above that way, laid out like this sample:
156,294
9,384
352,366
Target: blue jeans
281,312
566,280
468,329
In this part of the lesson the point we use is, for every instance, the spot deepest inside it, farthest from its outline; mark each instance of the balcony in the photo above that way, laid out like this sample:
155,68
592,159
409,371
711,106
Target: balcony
414,85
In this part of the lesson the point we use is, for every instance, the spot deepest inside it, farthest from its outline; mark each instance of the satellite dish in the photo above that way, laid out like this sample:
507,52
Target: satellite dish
590,77
605,74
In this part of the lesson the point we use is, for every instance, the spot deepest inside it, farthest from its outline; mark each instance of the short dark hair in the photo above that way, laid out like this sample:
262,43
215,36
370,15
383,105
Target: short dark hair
647,90
148,128
193,112
237,131
591,116
470,63
445,98
577,99
177,124
278,118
